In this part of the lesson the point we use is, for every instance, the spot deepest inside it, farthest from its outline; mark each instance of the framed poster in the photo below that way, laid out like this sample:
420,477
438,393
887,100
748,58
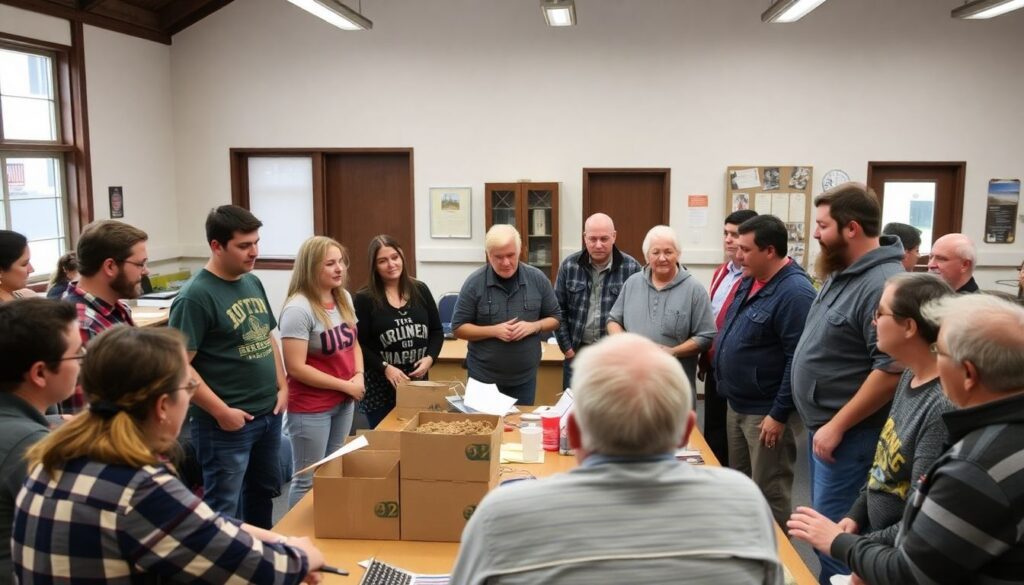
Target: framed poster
450,212
1001,211
116,195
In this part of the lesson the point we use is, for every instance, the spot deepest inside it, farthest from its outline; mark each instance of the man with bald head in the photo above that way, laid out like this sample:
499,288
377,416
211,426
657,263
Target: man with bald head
631,512
953,258
588,283
963,522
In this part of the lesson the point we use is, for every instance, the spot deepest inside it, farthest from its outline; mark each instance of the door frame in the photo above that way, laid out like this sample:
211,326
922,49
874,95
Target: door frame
959,175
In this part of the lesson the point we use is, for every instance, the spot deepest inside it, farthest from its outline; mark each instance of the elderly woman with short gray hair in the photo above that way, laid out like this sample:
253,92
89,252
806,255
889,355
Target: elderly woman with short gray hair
665,304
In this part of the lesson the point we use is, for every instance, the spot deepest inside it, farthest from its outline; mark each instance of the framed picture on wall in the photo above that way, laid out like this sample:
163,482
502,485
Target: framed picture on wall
451,212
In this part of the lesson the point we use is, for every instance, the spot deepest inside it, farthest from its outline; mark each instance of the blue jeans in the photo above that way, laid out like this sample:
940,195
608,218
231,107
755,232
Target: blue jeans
313,436
241,469
523,393
835,486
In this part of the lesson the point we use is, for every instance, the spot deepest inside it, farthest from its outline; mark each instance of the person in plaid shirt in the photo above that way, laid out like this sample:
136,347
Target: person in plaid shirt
101,503
587,285
112,261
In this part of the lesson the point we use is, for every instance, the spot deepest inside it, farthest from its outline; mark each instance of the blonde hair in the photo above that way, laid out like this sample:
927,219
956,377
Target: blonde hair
306,279
631,398
500,235
127,370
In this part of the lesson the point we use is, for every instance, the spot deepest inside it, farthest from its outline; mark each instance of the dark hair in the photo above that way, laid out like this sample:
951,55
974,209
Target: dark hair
103,239
738,217
911,291
853,202
406,284
224,221
909,235
33,331
768,231
67,263
12,246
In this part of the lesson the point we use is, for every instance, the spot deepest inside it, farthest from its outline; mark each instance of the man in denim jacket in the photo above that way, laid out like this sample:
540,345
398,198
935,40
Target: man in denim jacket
754,357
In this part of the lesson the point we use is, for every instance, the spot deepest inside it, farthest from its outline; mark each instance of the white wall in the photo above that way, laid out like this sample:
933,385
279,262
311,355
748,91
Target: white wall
131,133
483,91
33,25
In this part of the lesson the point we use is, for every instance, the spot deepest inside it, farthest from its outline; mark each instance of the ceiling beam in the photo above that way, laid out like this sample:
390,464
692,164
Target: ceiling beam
181,14
88,5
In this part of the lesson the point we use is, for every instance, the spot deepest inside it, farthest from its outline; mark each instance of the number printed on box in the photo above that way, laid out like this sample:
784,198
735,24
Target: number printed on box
478,452
386,510
468,511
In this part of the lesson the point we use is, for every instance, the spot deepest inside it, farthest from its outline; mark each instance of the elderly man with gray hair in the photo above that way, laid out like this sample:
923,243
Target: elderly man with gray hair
953,258
963,524
503,309
665,304
631,512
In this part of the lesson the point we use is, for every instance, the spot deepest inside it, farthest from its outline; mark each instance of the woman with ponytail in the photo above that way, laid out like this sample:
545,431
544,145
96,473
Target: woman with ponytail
102,502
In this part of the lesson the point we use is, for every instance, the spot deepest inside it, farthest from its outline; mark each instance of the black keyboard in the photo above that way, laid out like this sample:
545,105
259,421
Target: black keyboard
384,574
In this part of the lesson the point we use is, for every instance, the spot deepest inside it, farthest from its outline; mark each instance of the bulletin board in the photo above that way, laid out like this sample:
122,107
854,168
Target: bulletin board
782,191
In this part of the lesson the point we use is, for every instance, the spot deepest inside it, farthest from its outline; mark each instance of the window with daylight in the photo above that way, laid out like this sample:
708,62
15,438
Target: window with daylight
37,150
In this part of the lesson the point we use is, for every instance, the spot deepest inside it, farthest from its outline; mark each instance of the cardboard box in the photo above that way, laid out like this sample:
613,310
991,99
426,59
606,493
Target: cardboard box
356,496
378,440
451,457
419,395
438,510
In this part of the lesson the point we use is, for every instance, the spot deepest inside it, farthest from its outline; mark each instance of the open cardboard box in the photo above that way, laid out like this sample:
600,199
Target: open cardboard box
356,496
378,440
451,457
438,510
418,395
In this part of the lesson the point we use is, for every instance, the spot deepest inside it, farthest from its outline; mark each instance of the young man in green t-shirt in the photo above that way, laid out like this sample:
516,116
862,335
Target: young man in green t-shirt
236,412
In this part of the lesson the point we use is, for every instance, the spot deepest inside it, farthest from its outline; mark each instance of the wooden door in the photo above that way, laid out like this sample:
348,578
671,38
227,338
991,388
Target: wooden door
635,199
927,195
370,193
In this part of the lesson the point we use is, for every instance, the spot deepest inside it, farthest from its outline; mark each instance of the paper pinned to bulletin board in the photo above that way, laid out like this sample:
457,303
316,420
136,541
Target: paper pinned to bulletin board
782,191
1001,212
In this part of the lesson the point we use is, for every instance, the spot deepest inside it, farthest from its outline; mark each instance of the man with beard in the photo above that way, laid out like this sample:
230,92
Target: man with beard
112,261
842,383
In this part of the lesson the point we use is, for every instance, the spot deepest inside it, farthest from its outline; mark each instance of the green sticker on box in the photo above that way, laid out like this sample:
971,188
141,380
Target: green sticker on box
468,511
478,452
386,510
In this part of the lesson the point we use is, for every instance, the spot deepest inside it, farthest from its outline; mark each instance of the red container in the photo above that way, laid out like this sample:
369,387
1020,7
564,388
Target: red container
549,423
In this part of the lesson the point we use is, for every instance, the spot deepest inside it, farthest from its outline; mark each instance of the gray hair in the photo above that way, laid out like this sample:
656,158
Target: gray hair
631,398
986,331
660,231
500,235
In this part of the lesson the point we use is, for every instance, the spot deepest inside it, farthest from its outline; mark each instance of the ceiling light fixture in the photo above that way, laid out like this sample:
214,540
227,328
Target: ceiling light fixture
335,13
559,12
786,11
986,8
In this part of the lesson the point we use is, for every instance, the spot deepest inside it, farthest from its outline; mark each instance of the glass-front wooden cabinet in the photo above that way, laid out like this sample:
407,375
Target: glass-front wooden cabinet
533,209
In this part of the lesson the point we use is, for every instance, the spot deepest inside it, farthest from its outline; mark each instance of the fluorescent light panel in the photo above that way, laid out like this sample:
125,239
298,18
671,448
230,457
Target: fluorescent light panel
986,8
559,12
335,13
786,11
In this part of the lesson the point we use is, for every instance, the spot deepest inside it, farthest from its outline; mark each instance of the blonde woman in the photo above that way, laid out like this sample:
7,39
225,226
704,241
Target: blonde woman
102,502
322,356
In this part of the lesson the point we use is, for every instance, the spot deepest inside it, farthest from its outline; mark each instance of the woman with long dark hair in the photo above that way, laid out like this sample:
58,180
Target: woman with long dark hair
399,327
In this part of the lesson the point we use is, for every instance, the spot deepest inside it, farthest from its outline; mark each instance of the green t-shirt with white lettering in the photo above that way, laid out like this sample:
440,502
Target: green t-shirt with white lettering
227,324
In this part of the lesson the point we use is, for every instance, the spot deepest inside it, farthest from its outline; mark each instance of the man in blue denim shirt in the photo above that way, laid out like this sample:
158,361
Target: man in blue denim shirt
754,357
588,283
503,309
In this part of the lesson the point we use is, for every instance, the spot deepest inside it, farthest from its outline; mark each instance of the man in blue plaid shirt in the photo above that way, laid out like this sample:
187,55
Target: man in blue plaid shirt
588,283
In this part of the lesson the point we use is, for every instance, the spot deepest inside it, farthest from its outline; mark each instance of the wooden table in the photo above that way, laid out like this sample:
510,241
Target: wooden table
439,557
150,316
549,375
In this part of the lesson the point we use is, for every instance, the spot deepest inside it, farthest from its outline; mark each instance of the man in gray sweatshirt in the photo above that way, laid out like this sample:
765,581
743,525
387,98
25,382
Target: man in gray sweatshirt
842,383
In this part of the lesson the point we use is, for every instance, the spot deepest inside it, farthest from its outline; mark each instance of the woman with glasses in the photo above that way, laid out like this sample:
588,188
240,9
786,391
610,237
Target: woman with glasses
914,434
102,504
665,304
15,266
400,329
322,357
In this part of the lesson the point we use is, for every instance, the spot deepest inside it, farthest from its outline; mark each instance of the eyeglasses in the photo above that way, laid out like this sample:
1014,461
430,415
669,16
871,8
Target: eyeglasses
79,355
143,265
934,348
190,387
879,314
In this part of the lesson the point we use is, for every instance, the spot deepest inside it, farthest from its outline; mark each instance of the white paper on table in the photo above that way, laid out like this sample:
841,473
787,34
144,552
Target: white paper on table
357,443
780,206
487,399
746,179
763,203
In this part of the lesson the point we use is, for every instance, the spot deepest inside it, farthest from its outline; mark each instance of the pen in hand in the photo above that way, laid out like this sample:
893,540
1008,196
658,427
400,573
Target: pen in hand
335,570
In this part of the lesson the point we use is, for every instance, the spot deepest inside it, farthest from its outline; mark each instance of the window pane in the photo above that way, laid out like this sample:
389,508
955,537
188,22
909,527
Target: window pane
281,196
37,219
33,177
45,254
911,203
26,75
28,118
